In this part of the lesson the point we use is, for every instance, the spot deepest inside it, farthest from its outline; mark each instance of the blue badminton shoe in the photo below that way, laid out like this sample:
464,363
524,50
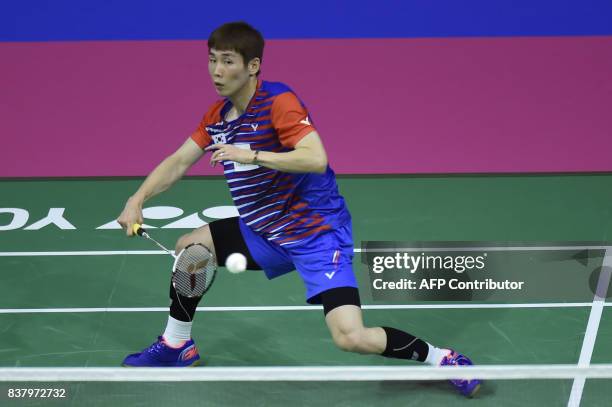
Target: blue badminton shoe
160,354
466,387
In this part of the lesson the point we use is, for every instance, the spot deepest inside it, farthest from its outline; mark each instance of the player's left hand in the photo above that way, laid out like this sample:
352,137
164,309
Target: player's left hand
223,152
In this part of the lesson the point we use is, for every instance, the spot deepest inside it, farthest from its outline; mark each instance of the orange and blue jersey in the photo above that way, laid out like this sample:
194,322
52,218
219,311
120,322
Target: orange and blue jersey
285,208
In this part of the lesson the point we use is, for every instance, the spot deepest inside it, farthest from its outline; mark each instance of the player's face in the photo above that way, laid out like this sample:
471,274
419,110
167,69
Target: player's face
227,71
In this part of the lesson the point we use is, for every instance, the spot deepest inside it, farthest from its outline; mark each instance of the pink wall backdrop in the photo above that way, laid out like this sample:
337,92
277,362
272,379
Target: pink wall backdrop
105,108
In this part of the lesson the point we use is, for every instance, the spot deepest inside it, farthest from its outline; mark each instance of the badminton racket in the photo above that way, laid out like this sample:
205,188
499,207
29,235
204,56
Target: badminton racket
194,267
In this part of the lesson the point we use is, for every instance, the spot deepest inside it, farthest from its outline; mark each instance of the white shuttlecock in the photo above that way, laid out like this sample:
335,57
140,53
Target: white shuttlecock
236,263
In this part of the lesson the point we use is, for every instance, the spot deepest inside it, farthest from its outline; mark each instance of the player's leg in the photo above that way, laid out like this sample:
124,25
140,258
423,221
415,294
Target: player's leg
222,238
182,309
344,319
175,347
326,267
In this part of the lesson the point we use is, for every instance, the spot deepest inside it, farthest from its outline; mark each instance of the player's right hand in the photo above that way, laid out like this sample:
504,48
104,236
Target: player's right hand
131,214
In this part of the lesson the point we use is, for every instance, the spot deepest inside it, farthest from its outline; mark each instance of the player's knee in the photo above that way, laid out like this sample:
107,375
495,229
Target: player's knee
350,341
201,236
182,242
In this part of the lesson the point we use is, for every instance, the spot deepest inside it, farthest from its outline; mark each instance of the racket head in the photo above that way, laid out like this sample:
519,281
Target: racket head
194,270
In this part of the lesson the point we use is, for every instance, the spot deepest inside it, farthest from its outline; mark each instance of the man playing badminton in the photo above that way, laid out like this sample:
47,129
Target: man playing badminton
291,214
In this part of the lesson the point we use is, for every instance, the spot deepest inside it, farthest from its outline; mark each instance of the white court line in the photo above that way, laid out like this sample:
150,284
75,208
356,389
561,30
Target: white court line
485,248
299,308
303,373
356,250
588,342
83,253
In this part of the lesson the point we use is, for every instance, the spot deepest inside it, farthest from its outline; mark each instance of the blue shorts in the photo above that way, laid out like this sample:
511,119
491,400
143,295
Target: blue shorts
323,262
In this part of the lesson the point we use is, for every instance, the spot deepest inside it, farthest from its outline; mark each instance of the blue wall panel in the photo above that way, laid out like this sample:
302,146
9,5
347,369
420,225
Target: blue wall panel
71,20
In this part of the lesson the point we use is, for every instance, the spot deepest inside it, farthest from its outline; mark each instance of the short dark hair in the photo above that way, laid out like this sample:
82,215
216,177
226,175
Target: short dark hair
239,37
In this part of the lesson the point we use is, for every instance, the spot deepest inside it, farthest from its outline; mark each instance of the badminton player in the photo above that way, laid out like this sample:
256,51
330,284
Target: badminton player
292,216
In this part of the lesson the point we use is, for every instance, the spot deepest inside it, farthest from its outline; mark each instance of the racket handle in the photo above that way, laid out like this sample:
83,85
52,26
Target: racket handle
138,229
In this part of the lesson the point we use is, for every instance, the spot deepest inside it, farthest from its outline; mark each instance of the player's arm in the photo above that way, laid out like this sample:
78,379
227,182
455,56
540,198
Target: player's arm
308,155
160,179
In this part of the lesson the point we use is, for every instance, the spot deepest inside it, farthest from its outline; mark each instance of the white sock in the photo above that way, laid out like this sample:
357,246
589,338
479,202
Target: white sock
435,355
177,332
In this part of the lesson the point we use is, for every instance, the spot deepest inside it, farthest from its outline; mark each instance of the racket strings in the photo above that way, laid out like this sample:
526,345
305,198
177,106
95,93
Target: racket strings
194,271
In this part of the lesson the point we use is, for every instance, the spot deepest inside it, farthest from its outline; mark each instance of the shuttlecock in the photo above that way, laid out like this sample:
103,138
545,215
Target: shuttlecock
236,263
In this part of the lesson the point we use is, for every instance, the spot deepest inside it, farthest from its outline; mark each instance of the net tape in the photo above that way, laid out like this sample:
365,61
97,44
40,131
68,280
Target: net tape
309,373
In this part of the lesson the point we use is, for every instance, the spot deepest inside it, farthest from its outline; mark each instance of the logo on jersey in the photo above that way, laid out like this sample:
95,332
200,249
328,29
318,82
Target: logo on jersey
220,138
254,126
336,258
215,130
335,261
306,121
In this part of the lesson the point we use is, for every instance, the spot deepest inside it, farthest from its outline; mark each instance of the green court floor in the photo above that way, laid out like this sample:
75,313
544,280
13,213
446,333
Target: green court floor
134,288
